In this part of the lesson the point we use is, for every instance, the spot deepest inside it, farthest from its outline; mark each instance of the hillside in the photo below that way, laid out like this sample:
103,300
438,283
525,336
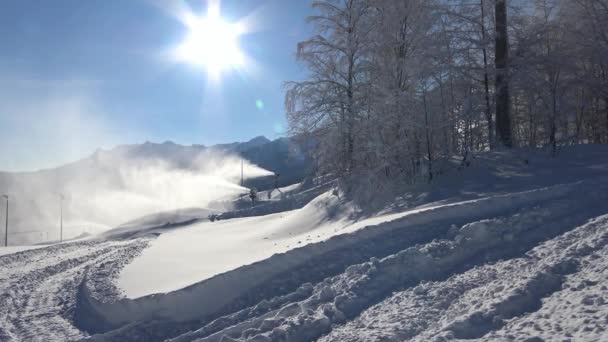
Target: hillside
512,247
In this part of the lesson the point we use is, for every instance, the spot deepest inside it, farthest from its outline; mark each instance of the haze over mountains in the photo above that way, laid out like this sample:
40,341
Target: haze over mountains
113,186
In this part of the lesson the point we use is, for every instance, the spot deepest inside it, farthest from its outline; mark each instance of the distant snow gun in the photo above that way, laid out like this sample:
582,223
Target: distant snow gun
253,195
276,186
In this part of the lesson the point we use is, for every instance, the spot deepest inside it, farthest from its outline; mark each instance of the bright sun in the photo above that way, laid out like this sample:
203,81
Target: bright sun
212,43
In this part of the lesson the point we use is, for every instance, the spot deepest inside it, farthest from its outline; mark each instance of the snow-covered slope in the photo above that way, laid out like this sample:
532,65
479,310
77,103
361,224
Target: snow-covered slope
186,256
513,247
156,224
508,233
38,287
554,292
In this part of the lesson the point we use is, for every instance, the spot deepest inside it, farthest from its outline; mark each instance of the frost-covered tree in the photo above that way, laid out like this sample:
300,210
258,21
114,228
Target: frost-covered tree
557,75
397,87
329,104
402,47
588,20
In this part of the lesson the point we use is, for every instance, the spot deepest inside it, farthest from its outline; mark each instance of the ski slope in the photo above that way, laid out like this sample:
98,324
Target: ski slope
366,265
186,256
515,247
38,286
183,257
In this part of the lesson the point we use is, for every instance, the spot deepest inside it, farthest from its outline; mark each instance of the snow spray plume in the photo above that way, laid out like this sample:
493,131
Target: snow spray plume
113,187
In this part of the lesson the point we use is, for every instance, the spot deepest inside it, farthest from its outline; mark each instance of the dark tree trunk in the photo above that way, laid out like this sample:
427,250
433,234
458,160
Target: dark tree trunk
486,81
606,109
503,101
428,137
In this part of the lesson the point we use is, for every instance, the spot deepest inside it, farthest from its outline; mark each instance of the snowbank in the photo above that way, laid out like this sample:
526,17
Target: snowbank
551,293
180,258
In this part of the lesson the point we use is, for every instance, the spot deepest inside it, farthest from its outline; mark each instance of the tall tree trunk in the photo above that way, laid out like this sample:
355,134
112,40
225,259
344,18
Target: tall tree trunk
553,124
606,109
350,114
446,139
486,81
428,137
452,116
532,123
503,101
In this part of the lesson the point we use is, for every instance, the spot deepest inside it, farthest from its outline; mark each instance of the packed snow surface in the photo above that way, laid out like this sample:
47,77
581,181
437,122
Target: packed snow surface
16,249
186,256
38,287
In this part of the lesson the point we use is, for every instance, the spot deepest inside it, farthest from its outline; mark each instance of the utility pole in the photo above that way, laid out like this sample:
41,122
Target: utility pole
61,197
241,171
6,224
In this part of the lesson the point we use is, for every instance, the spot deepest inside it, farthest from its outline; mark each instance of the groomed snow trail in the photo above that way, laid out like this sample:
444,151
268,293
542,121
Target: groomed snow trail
39,287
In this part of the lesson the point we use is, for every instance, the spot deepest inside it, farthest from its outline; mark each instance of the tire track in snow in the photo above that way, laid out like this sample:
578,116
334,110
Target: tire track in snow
37,303
18,263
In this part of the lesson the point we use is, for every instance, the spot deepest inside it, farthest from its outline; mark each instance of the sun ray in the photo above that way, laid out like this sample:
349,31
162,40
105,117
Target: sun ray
212,42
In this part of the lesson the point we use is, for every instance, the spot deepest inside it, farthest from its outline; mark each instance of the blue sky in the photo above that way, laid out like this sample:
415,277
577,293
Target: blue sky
76,75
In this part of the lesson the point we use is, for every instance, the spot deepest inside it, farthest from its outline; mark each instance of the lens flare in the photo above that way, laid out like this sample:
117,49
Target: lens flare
212,43
259,104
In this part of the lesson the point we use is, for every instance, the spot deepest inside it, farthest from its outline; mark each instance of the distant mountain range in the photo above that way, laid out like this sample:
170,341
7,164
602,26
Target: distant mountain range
284,156
112,186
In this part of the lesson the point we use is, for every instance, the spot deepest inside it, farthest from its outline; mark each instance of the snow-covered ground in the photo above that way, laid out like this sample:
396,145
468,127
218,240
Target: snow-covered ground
186,256
408,255
38,287
221,246
159,223
277,194
512,248
16,249
555,292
